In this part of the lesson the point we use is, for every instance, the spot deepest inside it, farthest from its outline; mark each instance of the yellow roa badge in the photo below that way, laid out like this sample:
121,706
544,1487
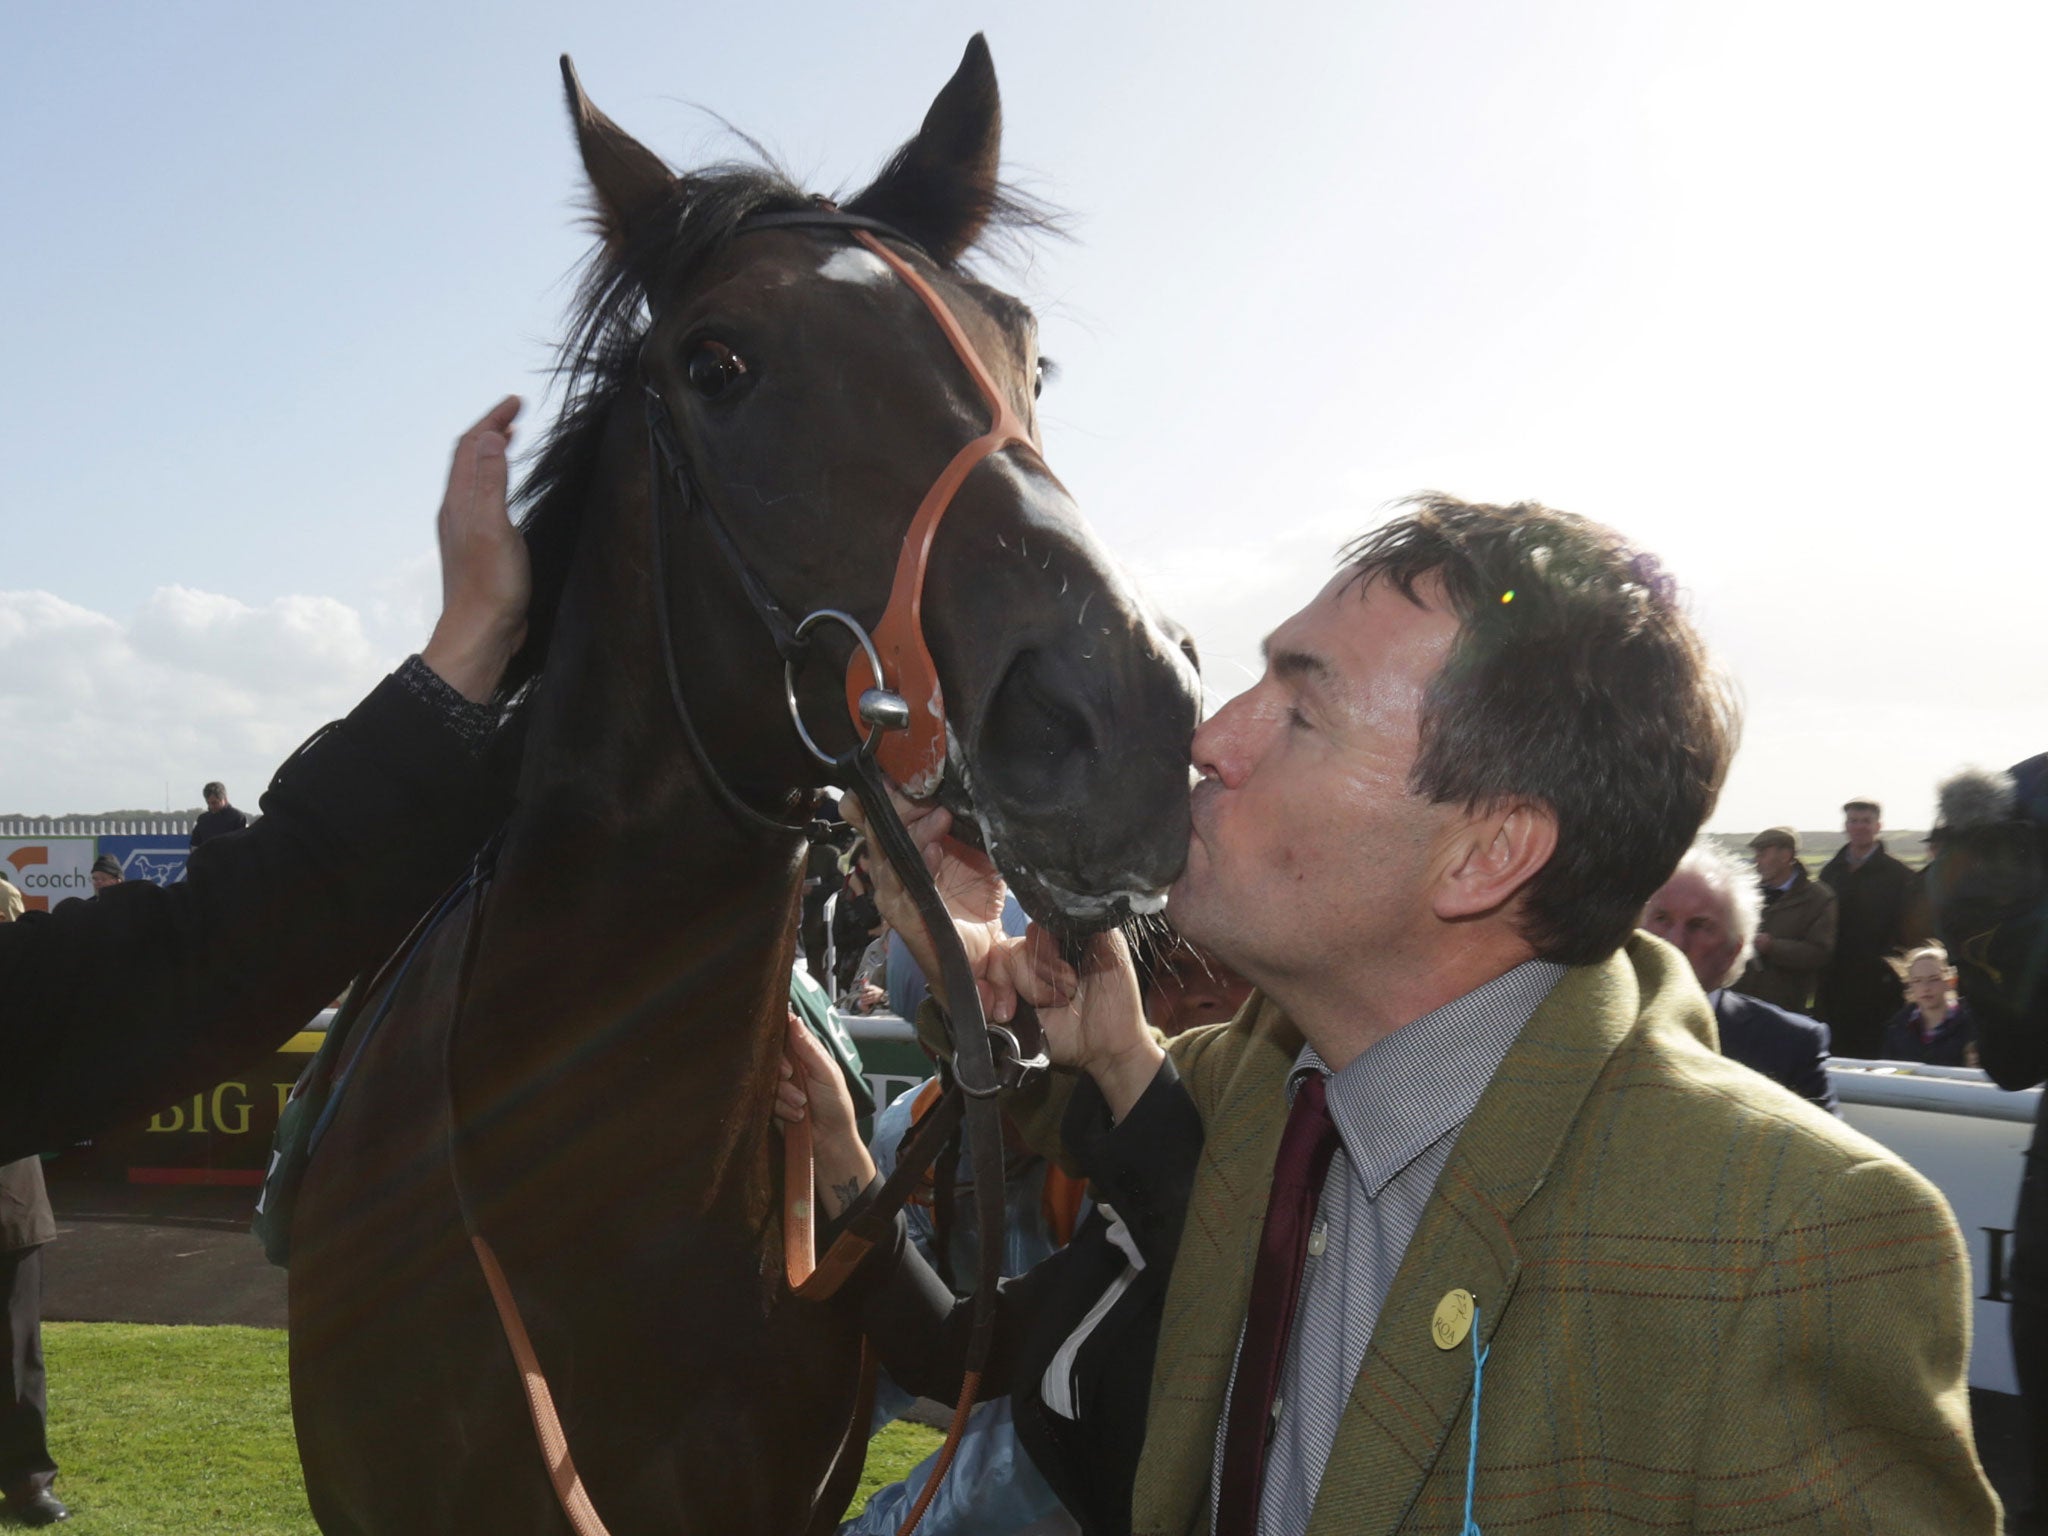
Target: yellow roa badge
1453,1319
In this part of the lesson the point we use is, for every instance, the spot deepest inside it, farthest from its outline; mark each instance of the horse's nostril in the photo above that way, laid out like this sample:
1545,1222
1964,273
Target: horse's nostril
1033,718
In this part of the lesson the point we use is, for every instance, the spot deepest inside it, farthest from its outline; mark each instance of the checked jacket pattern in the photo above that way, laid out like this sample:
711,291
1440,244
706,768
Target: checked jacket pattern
1710,1307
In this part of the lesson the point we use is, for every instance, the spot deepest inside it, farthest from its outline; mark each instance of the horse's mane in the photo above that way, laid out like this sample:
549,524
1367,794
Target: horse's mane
599,355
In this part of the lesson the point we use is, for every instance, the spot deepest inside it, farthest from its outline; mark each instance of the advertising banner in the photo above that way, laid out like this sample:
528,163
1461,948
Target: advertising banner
48,870
159,859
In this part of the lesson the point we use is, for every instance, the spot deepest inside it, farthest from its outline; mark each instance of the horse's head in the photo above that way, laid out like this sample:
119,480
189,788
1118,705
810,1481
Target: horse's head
808,397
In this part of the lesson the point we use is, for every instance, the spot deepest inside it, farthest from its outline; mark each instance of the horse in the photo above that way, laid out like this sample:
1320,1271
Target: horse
577,1061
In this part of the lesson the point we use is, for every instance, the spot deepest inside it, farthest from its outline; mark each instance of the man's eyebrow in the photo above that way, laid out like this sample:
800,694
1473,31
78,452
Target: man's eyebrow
1299,665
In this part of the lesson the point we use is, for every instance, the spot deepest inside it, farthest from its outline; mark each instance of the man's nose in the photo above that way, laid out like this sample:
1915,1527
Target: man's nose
1219,749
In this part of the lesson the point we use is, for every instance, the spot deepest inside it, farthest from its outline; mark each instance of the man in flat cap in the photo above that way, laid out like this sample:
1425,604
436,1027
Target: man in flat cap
1797,936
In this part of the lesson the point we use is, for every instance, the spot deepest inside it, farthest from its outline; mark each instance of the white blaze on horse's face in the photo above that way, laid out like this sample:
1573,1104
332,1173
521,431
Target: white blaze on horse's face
858,266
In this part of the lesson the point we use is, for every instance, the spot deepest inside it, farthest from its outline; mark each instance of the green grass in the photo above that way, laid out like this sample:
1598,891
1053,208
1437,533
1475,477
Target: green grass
177,1431
173,1431
891,1455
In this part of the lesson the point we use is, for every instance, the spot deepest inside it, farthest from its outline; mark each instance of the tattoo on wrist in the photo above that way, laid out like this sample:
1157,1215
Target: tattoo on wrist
848,1192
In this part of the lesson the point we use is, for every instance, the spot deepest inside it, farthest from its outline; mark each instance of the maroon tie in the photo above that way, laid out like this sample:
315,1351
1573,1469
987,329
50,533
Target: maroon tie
1305,1151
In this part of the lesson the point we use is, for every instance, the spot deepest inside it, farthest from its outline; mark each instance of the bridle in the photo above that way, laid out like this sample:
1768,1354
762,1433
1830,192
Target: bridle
894,660
898,711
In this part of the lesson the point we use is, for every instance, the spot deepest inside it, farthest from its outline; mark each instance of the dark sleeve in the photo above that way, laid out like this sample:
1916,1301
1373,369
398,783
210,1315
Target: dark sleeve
112,1007
921,1330
1810,1077
1144,1165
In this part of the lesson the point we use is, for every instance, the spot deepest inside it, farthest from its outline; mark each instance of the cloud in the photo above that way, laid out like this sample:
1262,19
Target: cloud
100,714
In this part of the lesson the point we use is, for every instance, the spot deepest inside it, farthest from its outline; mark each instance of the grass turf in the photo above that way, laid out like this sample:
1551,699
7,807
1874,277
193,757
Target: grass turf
172,1431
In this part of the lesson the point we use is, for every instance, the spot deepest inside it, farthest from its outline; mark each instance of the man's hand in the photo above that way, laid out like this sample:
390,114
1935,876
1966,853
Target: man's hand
486,579
967,882
812,1087
1094,1019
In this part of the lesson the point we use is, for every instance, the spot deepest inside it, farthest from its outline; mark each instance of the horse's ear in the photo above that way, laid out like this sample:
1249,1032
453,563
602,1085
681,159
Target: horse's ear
629,179
940,188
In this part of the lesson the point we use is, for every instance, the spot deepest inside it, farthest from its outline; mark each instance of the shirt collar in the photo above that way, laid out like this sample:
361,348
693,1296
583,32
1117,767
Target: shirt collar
1408,1090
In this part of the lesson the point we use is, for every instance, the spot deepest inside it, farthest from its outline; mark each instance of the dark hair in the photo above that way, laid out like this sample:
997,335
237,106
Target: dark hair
1576,682
215,788
1862,805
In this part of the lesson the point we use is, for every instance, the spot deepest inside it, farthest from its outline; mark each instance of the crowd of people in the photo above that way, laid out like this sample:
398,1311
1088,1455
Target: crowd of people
1838,947
1471,1126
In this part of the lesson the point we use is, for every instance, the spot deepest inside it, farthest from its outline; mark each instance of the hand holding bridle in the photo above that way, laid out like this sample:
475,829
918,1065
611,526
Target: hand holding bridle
967,882
812,1087
1092,1018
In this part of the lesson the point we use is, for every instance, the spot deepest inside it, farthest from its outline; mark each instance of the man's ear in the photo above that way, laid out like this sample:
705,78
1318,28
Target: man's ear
1493,854
940,188
627,180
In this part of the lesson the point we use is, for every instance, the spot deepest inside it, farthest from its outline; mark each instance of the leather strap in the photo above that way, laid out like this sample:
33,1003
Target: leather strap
916,758
540,1402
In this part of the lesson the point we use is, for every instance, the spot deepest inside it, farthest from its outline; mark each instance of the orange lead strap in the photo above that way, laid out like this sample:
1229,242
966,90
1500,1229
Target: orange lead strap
799,1203
916,758
540,1402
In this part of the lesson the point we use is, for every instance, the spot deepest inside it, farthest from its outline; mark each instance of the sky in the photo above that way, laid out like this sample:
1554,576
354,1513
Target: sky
1757,284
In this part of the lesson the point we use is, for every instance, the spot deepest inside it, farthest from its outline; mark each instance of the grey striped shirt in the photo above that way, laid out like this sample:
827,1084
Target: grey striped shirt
1398,1108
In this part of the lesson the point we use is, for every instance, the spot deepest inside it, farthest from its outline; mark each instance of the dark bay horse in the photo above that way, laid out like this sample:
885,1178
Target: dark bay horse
580,1066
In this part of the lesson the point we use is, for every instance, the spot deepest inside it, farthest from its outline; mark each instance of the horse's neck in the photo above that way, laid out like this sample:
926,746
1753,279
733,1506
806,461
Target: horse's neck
634,967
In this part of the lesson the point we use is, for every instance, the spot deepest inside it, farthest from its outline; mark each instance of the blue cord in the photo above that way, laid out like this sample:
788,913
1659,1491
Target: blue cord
1471,1526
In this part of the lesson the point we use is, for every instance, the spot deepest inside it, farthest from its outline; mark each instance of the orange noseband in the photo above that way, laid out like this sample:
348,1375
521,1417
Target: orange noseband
916,758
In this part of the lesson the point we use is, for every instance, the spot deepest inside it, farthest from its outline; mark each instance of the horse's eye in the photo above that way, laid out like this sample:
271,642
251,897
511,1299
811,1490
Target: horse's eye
714,368
1038,379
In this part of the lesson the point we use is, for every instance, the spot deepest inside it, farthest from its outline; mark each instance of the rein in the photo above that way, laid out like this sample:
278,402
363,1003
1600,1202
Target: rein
894,698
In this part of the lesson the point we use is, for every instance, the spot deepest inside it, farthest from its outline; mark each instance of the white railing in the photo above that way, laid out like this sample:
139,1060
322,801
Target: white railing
175,824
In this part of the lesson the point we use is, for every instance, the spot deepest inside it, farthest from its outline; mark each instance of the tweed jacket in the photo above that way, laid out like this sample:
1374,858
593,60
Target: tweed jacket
1708,1306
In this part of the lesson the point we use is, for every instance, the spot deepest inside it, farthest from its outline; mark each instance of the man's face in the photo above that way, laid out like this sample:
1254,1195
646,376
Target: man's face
1862,827
1688,915
102,881
1306,840
215,799
1774,863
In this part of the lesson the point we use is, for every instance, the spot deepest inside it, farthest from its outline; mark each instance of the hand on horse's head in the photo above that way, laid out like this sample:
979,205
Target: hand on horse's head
486,579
